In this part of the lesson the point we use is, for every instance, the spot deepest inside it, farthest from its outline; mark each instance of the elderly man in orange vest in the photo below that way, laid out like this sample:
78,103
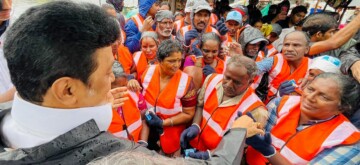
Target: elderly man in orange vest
288,66
200,23
221,99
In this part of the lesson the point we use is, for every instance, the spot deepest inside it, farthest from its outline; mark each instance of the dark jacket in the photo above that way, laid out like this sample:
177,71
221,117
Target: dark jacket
85,143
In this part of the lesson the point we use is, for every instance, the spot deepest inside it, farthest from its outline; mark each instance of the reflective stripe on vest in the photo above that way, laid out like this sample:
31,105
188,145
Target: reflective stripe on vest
249,99
135,125
271,50
324,135
212,85
179,24
137,56
179,93
131,128
138,21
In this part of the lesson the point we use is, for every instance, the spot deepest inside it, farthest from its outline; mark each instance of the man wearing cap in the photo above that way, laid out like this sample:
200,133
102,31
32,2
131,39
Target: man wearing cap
253,43
200,23
164,25
144,21
233,23
186,20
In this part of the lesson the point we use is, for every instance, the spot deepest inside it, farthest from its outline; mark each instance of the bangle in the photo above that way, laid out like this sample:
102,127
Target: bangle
171,122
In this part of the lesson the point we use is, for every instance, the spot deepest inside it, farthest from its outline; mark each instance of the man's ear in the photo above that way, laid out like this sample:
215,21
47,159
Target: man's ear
319,35
64,89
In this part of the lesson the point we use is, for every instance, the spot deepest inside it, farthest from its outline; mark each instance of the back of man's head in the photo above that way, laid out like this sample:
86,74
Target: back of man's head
55,40
319,22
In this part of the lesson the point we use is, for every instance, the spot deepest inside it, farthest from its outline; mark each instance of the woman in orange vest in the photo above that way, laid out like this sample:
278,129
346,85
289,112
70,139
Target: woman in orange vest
302,127
204,61
147,55
170,97
126,121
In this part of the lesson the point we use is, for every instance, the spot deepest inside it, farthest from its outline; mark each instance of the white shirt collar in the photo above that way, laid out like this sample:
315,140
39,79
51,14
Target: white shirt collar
48,123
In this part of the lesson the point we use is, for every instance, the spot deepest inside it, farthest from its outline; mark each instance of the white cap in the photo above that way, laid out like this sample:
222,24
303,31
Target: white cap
189,5
326,64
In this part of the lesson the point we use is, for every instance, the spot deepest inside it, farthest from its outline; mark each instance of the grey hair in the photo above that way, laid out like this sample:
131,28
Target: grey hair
137,158
209,36
247,62
306,36
167,47
150,34
349,91
118,70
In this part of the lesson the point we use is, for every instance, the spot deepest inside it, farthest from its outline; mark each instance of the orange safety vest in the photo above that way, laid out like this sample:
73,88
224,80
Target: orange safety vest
140,63
166,103
179,24
271,50
139,21
131,118
220,67
300,147
213,19
218,119
260,56
280,72
125,58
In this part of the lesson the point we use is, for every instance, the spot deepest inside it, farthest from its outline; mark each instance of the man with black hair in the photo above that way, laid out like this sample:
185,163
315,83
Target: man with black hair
60,61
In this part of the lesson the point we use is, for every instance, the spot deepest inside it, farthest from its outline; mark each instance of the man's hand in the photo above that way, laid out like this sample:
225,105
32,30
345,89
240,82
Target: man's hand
207,70
189,35
155,122
355,70
235,49
204,155
221,27
197,52
148,23
189,134
262,144
252,128
286,88
117,96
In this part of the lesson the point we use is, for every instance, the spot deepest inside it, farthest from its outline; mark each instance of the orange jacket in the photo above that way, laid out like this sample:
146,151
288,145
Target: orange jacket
300,147
218,119
271,50
280,72
166,103
124,57
127,116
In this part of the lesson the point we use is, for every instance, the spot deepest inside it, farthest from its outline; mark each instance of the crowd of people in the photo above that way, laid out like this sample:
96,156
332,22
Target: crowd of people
211,84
